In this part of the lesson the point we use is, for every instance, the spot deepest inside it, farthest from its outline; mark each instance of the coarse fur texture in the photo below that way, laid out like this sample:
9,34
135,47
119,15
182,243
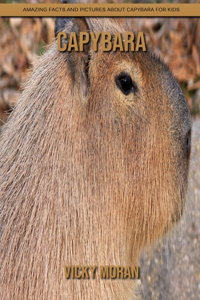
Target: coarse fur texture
89,176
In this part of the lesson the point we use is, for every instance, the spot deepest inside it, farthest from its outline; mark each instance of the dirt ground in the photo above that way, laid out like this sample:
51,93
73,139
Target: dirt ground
172,270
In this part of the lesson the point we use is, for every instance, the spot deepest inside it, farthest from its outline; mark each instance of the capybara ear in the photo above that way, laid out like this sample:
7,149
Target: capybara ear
60,23
78,61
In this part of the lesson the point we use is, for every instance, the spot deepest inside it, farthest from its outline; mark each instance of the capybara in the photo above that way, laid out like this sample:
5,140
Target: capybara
94,167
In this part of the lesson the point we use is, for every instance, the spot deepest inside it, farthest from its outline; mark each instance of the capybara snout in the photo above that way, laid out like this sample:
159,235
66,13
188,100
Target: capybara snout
94,166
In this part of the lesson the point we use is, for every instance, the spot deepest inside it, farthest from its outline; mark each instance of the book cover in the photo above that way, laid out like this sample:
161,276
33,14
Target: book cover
99,150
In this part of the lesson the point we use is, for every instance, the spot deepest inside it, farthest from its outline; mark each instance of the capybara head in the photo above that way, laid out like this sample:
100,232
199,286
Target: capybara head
94,166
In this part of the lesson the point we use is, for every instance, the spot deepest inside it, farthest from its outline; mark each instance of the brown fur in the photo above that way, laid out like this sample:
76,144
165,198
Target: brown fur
89,180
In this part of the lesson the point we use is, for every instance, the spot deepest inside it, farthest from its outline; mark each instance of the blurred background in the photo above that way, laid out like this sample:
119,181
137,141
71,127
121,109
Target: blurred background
172,270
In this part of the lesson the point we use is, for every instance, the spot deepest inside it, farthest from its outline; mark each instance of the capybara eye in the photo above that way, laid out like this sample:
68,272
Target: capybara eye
188,143
125,84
